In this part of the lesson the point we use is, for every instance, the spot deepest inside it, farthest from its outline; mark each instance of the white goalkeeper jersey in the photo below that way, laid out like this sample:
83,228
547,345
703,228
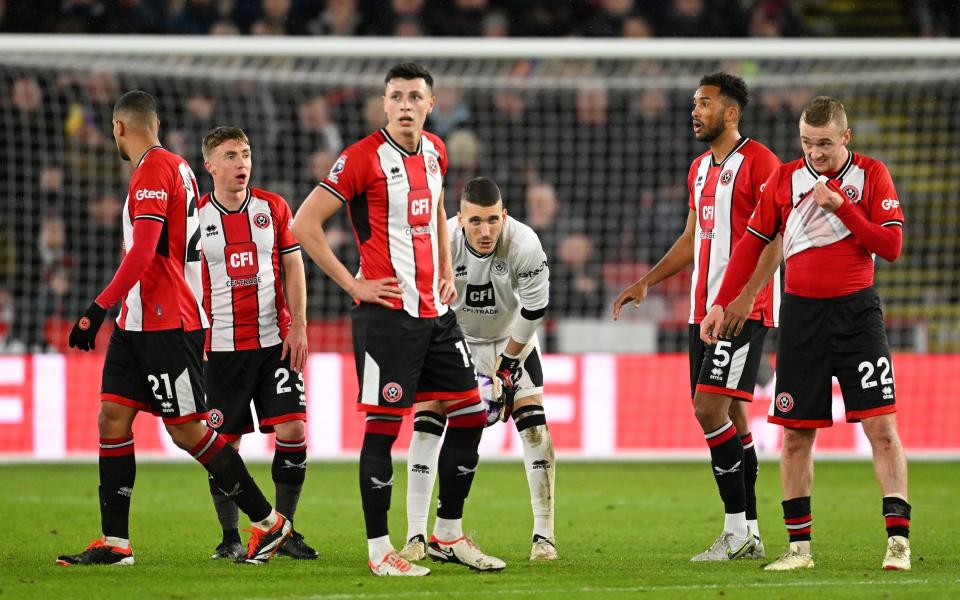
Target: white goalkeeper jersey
493,290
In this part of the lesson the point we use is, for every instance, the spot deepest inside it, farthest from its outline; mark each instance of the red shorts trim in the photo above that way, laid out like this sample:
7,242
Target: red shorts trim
800,423
266,425
854,416
716,389
117,451
384,410
185,418
125,402
471,394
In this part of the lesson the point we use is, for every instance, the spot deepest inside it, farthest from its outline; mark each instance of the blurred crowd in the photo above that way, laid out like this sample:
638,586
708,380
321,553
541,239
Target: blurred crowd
490,18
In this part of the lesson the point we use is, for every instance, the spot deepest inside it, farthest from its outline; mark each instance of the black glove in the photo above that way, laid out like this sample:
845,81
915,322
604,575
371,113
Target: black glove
507,374
84,332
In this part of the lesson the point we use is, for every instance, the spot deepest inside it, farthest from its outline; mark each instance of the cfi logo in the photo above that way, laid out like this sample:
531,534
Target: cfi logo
851,192
726,177
261,220
432,165
392,392
784,402
890,204
215,418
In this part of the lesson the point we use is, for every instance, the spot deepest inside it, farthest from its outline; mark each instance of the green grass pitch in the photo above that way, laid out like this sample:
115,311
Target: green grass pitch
625,530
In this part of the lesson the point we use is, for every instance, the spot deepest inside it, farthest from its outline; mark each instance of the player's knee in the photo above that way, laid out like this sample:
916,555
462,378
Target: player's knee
291,430
797,441
186,435
115,420
709,411
881,432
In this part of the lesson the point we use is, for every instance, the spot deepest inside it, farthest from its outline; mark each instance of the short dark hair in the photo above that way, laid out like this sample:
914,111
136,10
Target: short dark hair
220,135
481,191
823,110
137,104
409,70
731,86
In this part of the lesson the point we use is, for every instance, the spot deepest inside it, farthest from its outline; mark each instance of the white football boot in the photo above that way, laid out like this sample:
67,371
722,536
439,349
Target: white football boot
898,554
415,549
394,566
463,551
797,557
727,547
543,549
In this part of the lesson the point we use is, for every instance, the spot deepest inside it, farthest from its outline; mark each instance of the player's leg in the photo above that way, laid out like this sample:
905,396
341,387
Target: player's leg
174,360
751,470
727,376
281,407
389,350
449,376
228,386
802,403
866,376
123,394
422,459
539,459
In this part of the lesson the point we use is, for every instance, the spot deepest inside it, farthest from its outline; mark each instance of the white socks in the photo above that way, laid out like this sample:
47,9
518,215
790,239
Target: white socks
448,530
540,464
377,548
754,527
116,542
736,523
422,459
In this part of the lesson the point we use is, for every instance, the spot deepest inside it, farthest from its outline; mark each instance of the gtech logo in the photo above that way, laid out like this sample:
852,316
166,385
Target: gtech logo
890,204
151,195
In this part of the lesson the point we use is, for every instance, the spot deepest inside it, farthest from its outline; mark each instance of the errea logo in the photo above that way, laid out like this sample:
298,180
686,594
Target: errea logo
151,195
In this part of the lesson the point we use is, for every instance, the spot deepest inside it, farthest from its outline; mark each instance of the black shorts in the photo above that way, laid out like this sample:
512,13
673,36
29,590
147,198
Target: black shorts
156,371
232,379
822,338
402,359
728,367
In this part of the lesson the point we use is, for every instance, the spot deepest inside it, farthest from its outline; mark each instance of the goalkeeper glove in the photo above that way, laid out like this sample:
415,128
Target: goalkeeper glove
84,332
505,384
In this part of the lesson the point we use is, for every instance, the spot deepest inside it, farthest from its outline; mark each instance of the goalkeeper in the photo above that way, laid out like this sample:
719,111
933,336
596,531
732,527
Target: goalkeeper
503,286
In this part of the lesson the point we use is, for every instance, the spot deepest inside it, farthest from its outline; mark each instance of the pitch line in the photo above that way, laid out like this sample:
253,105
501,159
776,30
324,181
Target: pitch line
613,590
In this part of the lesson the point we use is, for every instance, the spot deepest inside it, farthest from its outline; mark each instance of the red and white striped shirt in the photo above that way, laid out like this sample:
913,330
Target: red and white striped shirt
167,295
242,287
392,197
824,259
724,196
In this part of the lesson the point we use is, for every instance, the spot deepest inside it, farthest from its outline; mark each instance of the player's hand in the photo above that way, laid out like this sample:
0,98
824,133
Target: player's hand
84,332
636,292
377,291
447,289
505,384
826,198
710,326
295,344
736,315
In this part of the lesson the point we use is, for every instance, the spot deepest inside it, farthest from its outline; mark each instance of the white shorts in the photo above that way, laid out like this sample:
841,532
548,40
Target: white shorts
531,369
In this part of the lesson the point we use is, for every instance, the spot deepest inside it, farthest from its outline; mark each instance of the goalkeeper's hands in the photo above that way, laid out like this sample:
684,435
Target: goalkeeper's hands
505,384
84,332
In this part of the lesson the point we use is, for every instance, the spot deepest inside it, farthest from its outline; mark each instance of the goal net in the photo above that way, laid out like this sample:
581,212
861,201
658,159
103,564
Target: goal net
590,143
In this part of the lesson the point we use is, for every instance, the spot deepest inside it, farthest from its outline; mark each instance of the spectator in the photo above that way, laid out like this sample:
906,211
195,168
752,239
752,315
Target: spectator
578,275
450,112
609,19
275,19
463,18
775,19
195,18
636,26
338,17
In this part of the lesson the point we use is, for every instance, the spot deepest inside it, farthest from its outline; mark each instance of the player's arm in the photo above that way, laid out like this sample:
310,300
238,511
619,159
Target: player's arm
738,311
319,206
886,238
146,235
295,288
675,260
445,282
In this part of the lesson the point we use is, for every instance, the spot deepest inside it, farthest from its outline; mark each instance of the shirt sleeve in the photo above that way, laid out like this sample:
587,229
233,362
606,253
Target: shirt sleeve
151,188
284,223
347,178
882,204
764,165
442,152
690,199
533,277
766,219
